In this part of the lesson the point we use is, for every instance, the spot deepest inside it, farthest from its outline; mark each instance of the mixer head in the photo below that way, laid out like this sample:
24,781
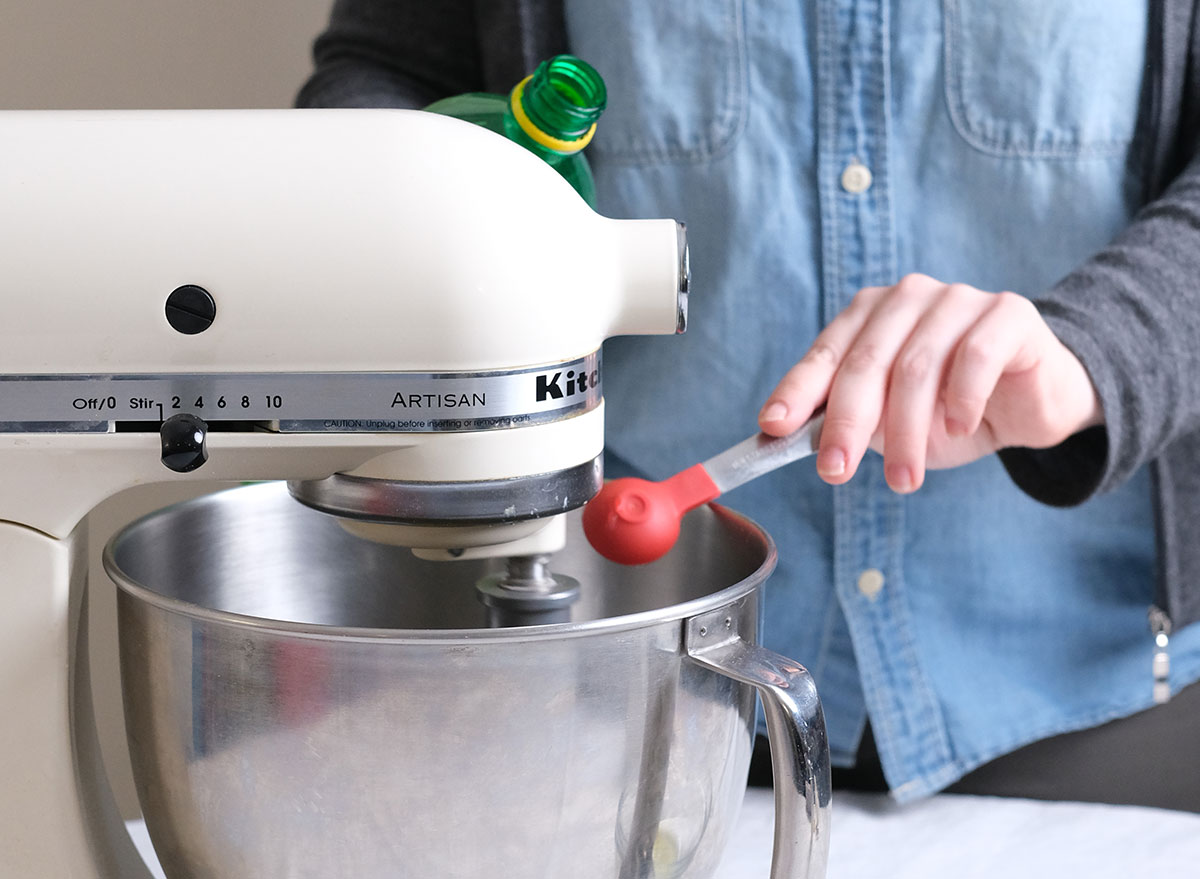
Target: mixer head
399,313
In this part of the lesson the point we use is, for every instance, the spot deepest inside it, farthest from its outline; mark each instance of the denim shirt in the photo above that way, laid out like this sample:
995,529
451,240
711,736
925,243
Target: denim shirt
821,146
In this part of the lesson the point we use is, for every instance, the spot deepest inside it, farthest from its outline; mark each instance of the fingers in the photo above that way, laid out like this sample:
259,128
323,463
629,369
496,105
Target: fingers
912,369
995,345
916,380
861,387
806,385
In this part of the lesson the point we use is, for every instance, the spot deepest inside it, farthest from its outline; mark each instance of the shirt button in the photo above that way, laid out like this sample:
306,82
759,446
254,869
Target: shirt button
856,178
870,582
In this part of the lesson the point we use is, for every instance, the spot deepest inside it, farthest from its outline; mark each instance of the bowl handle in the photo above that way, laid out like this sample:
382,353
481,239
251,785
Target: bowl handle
796,729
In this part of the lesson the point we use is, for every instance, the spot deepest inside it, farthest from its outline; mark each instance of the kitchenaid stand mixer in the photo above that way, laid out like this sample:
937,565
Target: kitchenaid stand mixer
397,313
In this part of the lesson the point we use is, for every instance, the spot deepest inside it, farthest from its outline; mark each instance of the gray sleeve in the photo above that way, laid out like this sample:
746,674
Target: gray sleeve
394,54
1131,314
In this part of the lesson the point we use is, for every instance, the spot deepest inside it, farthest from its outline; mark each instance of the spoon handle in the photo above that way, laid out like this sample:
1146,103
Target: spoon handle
760,454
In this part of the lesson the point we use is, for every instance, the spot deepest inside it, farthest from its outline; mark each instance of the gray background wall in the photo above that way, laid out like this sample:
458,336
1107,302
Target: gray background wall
110,54
149,54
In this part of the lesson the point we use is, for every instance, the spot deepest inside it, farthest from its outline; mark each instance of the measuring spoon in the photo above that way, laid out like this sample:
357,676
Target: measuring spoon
635,521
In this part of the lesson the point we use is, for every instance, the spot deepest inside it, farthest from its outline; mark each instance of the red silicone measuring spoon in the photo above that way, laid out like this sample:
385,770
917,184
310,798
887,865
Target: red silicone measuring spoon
635,521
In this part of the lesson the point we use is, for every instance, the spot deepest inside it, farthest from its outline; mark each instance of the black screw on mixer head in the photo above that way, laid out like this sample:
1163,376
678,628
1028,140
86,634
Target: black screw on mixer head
191,309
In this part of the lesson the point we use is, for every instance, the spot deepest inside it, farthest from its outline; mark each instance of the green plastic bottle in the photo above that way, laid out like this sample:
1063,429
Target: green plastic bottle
551,113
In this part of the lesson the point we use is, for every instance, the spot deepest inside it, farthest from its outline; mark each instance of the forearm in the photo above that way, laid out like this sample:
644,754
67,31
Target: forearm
1131,314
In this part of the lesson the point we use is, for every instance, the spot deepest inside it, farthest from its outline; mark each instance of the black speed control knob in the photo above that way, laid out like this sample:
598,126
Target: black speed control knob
184,446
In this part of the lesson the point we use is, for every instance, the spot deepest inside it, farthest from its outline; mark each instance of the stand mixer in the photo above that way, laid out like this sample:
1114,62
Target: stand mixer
397,313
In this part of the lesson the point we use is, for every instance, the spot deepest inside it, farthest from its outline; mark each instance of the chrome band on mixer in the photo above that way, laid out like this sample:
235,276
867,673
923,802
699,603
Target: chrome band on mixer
375,402
481,502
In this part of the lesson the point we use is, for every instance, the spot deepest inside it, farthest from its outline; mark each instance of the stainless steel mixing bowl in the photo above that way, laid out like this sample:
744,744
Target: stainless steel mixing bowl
304,703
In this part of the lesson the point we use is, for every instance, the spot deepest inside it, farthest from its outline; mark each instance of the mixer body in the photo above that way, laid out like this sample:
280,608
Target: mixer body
304,296
400,316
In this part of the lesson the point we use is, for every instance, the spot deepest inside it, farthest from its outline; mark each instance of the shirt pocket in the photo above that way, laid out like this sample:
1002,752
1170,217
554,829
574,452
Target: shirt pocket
1045,78
675,73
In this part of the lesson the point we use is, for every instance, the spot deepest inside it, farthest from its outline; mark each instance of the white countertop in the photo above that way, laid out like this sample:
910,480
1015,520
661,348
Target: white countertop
963,837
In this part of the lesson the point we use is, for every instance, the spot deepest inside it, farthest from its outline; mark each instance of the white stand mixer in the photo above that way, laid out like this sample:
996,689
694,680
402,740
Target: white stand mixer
397,312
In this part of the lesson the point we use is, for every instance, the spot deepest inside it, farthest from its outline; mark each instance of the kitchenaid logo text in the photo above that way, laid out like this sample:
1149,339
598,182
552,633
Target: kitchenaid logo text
438,401
555,386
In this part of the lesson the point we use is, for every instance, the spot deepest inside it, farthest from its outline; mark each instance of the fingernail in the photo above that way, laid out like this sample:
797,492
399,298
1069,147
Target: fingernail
954,427
900,479
774,412
831,462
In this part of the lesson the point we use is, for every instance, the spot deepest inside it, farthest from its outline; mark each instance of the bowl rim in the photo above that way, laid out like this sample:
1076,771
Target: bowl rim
128,587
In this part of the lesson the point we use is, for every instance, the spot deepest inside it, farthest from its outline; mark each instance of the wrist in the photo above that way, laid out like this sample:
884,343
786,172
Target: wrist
1082,405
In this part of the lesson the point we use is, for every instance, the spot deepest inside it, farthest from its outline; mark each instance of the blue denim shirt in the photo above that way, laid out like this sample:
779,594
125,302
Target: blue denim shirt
989,144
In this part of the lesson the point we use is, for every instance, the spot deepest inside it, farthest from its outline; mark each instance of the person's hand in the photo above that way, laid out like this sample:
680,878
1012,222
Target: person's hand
932,375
